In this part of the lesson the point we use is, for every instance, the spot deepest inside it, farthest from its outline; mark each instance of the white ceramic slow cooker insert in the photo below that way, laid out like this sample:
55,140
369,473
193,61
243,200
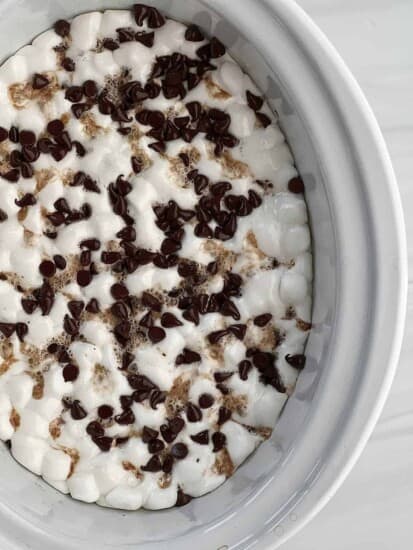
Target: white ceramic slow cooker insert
359,299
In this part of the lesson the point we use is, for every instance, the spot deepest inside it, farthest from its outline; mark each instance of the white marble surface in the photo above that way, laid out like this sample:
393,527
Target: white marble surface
373,510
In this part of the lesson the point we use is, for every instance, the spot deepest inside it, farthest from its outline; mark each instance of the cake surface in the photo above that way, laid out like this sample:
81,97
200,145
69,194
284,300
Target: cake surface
155,261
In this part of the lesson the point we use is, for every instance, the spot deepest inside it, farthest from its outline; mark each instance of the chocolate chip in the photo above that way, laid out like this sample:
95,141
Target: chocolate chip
27,137
119,291
126,401
125,34
140,382
297,361
90,88
30,153
169,320
128,233
136,165
147,320
229,309
77,412
76,307
110,257
73,94
202,438
7,329
155,18
238,331
158,146
83,277
47,268
93,306
110,44
4,134
105,105
224,415
263,119
79,108
156,446
71,325
62,27
15,158
254,199
296,185
187,356
179,451
122,332
262,320
26,170
39,81
140,12
125,418
203,231
55,127
192,315
12,175
167,433
156,334
153,465
182,498
94,429
29,305
148,300
193,34
27,200
91,244
193,413
14,134
85,258
21,330
68,64
206,400
219,440
44,145
70,373
243,369
167,465
120,310
215,337
104,443
3,216
255,102
105,412
194,109
148,434
146,38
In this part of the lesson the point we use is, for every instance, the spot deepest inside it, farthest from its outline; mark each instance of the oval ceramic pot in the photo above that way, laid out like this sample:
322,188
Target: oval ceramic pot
359,299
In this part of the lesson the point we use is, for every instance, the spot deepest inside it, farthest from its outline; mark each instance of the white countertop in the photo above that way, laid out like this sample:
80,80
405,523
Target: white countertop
373,510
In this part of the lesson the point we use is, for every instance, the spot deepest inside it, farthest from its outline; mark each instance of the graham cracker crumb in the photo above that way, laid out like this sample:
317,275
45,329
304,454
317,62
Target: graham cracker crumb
54,427
223,464
14,419
178,395
214,90
303,325
90,126
232,168
20,93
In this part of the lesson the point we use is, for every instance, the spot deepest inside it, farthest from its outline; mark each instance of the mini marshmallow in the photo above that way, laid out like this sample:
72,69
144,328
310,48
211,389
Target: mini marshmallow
125,498
56,465
83,486
293,288
29,451
19,389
